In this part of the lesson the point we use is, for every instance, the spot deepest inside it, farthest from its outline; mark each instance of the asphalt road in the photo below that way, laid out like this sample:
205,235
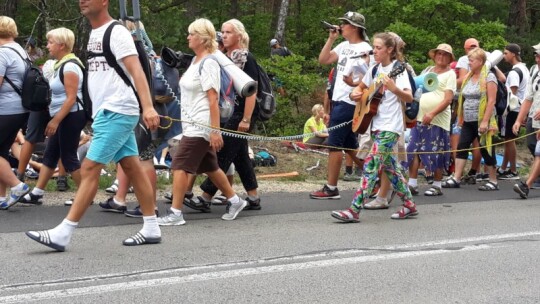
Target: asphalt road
466,246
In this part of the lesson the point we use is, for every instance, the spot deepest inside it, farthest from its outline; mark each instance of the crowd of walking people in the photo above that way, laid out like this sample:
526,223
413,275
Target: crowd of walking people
455,117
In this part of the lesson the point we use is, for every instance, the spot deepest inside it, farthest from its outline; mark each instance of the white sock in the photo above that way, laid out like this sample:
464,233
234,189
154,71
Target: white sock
437,184
19,187
413,182
3,198
331,187
253,198
150,227
119,202
234,200
61,234
37,191
175,211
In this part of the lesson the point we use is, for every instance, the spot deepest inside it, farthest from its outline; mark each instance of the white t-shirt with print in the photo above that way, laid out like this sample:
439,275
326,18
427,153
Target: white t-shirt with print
107,90
345,51
58,91
512,80
195,103
390,112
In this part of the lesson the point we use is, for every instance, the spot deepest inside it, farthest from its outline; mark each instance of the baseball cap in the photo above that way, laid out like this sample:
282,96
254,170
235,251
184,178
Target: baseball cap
471,43
354,18
273,42
514,48
219,37
536,49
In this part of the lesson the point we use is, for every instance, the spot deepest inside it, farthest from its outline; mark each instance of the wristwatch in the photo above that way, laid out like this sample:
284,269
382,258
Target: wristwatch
246,120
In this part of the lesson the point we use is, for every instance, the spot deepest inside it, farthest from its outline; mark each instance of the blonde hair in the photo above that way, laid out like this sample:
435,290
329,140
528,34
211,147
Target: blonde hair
478,53
131,25
8,28
316,108
64,36
240,30
392,40
206,31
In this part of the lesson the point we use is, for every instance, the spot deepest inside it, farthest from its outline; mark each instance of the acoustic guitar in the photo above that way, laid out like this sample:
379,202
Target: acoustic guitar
368,106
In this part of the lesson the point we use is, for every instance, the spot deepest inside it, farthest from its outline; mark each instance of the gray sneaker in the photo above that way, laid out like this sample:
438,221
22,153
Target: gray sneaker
171,219
233,210
351,177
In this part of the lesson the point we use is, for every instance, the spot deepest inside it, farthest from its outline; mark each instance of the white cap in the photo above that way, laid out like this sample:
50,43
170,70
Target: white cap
273,42
537,48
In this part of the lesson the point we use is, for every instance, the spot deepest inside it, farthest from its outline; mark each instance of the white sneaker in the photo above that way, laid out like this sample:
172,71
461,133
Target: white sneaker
171,219
233,210
377,204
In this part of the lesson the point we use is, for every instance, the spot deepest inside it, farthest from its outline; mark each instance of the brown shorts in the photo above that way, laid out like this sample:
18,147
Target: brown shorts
195,156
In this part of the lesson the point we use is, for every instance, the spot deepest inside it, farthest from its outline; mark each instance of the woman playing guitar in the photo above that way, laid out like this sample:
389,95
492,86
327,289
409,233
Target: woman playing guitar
386,127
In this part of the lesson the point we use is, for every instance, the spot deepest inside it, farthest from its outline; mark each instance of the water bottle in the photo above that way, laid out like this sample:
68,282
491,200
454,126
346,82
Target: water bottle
418,93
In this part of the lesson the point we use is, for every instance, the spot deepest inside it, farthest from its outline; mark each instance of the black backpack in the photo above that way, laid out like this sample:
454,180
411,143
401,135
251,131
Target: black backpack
86,102
266,102
35,91
501,99
111,60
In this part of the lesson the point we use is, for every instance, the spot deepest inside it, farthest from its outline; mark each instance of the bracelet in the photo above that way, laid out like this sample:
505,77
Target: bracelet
246,120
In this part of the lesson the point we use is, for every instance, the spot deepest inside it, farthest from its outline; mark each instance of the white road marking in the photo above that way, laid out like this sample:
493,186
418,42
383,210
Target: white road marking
175,276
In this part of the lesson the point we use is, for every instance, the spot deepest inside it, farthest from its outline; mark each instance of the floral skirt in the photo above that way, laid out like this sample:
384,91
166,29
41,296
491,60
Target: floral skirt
428,140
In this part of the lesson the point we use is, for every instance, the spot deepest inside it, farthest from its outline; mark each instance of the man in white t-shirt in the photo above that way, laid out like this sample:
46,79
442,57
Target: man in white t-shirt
115,113
516,83
341,107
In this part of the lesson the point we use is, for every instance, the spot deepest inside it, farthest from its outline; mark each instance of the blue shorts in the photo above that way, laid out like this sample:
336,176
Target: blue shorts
342,137
113,137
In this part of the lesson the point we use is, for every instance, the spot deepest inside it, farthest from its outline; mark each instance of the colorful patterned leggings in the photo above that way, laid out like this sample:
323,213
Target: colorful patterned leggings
381,160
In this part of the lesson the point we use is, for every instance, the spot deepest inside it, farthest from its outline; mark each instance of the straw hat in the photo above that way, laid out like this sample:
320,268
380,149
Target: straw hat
442,47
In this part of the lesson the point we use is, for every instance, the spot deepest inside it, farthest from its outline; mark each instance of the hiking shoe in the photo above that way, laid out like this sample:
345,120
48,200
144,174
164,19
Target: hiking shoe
348,216
253,204
198,203
136,212
31,198
377,204
112,206
171,219
509,175
14,197
522,189
234,209
429,179
405,212
31,173
351,177
536,184
62,184
325,193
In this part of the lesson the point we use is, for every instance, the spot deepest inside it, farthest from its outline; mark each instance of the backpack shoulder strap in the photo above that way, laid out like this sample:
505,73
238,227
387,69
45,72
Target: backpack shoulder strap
204,59
26,63
520,74
374,71
61,70
109,56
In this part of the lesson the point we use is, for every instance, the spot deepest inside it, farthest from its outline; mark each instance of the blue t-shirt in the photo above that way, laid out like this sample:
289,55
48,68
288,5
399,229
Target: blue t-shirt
12,66
58,96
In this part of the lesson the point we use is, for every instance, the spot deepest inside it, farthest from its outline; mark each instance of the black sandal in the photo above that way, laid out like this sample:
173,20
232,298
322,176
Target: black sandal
43,237
489,186
139,239
450,183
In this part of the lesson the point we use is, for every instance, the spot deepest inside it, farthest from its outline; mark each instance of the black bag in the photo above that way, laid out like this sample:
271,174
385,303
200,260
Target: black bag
86,102
35,91
266,102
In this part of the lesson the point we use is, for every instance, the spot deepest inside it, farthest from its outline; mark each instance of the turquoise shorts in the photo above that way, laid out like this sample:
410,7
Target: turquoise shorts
113,137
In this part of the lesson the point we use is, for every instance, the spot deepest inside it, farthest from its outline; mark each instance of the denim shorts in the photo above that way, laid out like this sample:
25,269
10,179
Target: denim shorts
113,138
342,137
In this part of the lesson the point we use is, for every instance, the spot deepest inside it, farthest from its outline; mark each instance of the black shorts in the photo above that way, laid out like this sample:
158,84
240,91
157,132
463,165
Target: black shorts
9,127
37,122
511,118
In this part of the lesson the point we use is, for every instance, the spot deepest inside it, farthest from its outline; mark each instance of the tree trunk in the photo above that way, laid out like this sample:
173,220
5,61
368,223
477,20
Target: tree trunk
517,16
298,19
9,8
282,20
